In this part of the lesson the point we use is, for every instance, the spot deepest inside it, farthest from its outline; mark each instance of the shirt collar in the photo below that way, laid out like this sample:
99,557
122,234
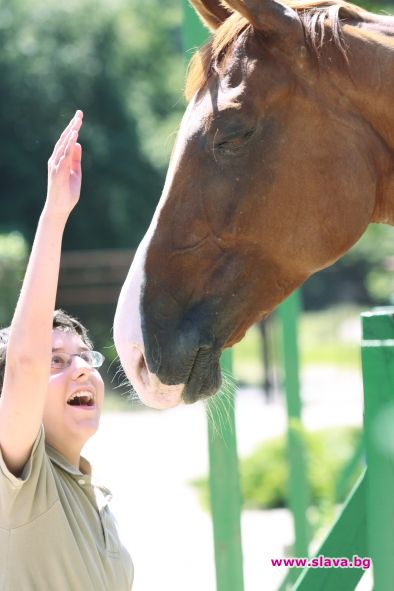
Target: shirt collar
85,468
102,494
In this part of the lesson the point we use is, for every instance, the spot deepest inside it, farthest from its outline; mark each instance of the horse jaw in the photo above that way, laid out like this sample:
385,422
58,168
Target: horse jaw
128,337
129,341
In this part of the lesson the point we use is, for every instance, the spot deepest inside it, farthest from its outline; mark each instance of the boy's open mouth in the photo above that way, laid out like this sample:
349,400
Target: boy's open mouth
82,398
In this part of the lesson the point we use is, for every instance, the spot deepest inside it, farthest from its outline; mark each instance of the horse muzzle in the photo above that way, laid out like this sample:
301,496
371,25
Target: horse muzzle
150,390
183,353
155,391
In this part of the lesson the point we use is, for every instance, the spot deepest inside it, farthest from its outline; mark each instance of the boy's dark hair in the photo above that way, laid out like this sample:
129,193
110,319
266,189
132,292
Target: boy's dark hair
61,321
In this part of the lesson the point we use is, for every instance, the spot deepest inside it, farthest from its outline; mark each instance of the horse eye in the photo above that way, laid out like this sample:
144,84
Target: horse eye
228,147
232,144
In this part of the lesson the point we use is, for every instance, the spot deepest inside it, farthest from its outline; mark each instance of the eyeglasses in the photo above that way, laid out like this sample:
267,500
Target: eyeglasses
62,360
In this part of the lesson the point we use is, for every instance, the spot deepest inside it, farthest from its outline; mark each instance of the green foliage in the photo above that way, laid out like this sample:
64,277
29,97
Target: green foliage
13,255
111,62
362,276
263,476
377,6
376,249
122,64
150,49
264,472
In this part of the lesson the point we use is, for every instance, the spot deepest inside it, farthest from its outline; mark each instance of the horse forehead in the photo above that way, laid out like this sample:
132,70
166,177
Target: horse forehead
206,106
230,97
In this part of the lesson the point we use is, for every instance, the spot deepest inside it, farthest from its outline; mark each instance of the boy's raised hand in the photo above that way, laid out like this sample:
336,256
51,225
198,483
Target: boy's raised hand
64,170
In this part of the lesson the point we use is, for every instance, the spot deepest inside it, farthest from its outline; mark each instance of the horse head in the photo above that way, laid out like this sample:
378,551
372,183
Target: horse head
273,176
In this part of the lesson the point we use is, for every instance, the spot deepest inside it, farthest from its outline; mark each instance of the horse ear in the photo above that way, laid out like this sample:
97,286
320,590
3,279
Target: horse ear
269,15
211,12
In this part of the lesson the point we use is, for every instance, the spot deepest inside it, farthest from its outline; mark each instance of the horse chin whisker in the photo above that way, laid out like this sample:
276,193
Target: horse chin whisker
211,418
114,360
131,395
120,373
218,412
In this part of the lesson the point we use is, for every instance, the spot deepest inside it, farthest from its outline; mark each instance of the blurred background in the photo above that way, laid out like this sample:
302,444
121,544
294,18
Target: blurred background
122,62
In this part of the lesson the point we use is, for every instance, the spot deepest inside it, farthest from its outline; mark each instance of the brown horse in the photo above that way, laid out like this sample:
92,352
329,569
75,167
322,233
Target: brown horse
284,156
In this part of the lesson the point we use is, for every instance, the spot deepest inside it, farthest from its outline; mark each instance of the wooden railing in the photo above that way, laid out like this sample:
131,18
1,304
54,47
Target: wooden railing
92,276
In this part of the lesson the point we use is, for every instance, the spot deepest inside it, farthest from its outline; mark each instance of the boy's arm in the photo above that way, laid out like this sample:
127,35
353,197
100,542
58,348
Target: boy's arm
30,338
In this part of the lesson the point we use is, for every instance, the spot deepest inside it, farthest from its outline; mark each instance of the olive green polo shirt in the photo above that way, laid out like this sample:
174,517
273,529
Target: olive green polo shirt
56,530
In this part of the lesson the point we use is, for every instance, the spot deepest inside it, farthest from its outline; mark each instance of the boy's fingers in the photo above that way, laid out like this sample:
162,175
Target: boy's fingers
75,123
60,146
77,119
70,142
65,152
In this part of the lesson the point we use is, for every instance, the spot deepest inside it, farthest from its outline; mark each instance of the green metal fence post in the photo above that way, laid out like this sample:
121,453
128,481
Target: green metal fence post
225,488
223,460
378,377
298,493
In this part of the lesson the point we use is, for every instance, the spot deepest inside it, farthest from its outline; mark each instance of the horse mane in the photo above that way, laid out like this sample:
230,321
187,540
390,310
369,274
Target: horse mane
316,17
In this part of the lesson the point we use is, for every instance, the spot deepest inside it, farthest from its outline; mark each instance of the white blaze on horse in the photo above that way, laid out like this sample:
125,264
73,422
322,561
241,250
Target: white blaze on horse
284,156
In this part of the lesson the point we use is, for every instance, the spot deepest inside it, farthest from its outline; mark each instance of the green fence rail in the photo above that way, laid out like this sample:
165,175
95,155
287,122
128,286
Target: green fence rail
298,492
346,538
224,487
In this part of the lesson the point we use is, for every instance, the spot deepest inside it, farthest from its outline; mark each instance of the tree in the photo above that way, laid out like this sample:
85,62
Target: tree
59,57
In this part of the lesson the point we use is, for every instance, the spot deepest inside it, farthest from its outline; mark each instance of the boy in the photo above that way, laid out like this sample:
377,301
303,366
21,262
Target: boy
56,530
